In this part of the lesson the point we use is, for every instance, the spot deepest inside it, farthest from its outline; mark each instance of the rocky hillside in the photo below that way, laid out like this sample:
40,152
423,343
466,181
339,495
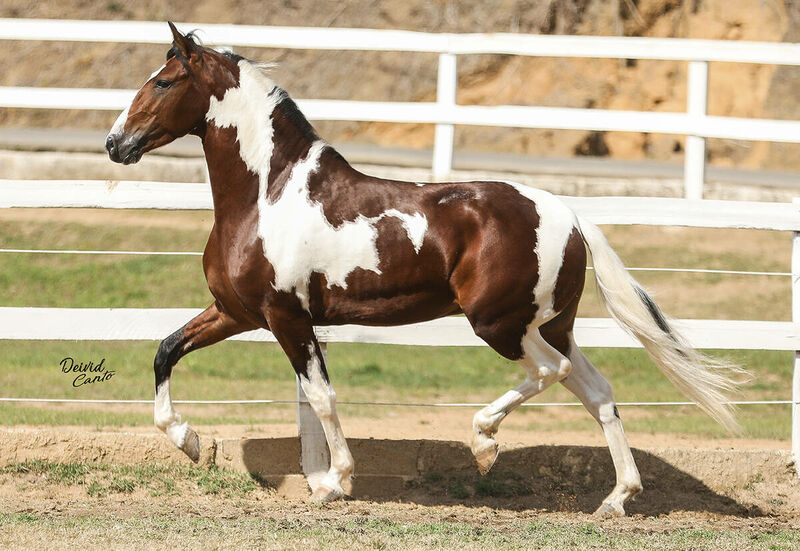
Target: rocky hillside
735,89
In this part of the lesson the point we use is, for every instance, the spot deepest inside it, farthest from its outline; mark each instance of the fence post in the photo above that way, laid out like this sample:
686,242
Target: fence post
694,167
445,97
796,320
314,455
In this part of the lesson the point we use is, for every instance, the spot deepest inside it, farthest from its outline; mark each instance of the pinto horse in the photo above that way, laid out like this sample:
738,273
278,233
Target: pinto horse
301,239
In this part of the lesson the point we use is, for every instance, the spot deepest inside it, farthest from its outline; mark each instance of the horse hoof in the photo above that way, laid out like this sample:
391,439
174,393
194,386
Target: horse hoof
326,495
486,456
608,510
191,445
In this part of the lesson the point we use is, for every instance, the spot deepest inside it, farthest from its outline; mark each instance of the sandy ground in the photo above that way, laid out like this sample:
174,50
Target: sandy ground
451,425
59,517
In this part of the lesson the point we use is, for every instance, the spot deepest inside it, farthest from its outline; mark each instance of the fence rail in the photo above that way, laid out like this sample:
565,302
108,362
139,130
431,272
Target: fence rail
154,324
317,38
445,113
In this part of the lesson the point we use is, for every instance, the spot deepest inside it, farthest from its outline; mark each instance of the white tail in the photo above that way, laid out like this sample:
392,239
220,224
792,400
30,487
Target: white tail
704,380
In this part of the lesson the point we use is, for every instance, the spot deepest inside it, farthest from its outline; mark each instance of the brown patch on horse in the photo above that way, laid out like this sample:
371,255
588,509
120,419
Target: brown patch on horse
499,269
572,274
345,194
235,186
296,135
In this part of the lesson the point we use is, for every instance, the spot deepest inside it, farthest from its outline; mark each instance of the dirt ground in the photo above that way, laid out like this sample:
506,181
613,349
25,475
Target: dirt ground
427,514
731,481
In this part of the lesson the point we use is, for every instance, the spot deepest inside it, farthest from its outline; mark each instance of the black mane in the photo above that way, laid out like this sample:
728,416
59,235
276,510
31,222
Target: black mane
290,110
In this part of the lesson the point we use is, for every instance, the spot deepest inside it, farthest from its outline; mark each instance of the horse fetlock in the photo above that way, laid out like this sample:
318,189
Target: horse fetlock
485,423
613,505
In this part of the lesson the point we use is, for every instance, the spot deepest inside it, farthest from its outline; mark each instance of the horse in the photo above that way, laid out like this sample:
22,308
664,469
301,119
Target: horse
302,239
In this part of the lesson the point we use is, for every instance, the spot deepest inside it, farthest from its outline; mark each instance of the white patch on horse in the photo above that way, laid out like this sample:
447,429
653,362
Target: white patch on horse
414,224
166,418
297,237
249,108
556,222
119,124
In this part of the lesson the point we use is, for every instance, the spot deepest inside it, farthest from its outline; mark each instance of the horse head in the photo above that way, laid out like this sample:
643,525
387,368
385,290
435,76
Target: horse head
174,100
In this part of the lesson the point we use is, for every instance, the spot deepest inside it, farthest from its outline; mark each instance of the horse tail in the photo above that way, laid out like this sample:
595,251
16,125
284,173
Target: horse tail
704,380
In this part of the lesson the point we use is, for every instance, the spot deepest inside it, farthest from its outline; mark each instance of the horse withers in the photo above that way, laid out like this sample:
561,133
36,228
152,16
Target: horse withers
302,239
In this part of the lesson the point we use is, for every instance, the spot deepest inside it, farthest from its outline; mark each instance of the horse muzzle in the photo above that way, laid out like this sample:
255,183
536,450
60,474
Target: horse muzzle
124,149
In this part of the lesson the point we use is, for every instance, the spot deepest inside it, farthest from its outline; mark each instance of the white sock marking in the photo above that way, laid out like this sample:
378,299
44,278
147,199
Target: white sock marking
166,418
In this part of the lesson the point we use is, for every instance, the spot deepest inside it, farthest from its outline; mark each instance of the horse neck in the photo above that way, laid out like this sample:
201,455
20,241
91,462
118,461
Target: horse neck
253,135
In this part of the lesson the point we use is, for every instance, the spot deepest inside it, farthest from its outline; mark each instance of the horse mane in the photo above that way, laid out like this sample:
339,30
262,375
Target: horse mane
284,102
289,109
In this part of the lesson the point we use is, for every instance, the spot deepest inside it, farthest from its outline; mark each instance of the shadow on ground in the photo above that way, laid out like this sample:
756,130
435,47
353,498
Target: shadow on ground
548,478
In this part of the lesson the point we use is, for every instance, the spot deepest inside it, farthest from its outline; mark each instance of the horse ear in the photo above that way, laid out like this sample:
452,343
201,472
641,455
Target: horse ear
185,45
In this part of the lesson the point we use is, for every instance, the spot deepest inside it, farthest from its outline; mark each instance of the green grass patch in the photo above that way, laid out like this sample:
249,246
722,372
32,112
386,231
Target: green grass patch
57,473
102,479
298,532
235,370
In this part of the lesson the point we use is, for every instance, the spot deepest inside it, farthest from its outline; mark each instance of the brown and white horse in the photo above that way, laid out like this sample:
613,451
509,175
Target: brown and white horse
300,238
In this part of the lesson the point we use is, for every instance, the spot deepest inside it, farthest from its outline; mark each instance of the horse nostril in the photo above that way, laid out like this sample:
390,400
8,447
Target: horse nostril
111,147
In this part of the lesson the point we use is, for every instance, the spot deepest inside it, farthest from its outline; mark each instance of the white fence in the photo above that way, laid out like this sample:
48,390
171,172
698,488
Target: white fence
155,324
445,113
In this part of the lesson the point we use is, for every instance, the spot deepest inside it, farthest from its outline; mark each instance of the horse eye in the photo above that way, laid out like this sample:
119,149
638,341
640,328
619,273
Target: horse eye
163,84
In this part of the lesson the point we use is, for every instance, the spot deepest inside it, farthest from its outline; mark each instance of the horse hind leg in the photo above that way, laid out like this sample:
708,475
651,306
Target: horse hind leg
596,394
544,365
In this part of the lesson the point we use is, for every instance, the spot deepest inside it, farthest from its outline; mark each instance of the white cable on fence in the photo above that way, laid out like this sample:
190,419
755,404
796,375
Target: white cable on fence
197,253
404,404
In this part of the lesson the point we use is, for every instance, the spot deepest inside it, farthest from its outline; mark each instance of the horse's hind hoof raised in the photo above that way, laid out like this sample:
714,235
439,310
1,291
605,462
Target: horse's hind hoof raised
486,456
609,510
191,445
326,495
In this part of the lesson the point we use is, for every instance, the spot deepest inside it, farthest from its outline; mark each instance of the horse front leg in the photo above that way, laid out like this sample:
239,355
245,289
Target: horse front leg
209,327
296,336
